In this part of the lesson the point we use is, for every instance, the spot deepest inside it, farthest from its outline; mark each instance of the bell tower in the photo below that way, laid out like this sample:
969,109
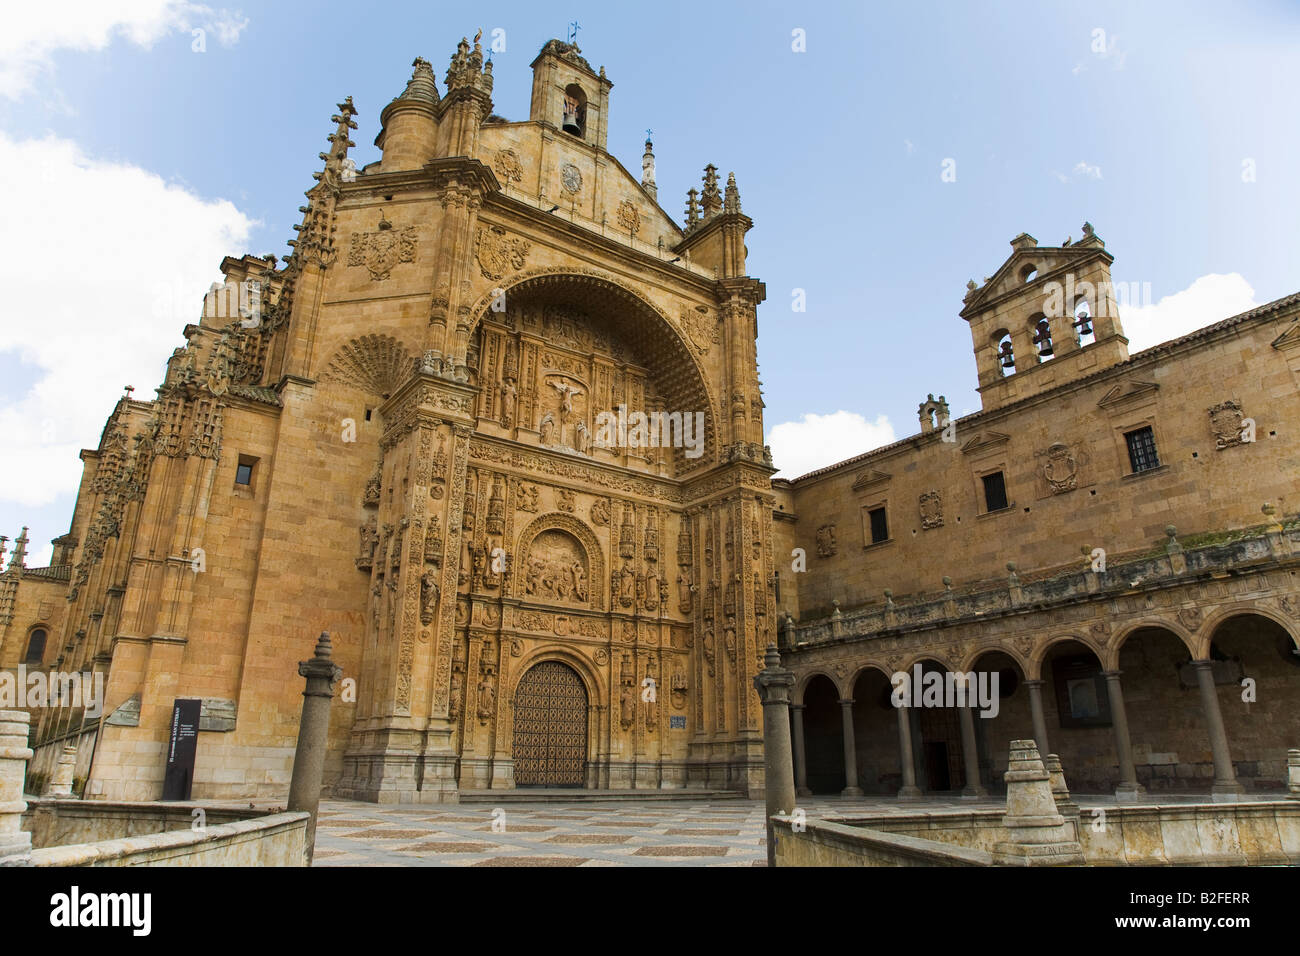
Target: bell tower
569,95
1048,315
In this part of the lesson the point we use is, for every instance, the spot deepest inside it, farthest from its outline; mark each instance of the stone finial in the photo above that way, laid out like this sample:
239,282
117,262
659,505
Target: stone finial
692,208
648,168
422,86
64,772
1172,546
1270,515
731,202
711,198
1060,792
1013,579
19,557
835,614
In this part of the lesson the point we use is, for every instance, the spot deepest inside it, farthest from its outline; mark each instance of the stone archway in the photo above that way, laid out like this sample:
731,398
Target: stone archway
549,745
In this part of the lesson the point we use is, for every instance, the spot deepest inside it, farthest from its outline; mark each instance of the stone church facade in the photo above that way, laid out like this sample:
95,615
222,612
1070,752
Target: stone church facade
396,436
393,437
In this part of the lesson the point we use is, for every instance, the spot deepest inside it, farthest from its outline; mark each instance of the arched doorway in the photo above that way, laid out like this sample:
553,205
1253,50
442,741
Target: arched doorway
550,741
823,730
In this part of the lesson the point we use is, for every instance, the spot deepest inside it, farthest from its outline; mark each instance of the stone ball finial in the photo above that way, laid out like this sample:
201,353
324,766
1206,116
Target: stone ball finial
1011,566
1268,509
1170,530
947,581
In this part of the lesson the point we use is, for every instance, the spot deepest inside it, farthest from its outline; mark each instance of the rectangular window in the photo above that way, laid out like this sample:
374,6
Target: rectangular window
1142,449
995,491
879,525
243,474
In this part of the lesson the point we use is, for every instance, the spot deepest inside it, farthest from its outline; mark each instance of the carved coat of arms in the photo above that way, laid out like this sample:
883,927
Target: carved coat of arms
1225,423
628,217
497,253
931,504
381,250
1061,469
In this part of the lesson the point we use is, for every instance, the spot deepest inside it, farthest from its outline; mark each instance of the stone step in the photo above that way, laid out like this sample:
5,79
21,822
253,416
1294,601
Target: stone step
580,795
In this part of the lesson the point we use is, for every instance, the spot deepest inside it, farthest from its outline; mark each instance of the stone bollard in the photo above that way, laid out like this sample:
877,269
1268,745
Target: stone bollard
773,684
1293,774
309,759
64,771
1037,833
15,842
1060,792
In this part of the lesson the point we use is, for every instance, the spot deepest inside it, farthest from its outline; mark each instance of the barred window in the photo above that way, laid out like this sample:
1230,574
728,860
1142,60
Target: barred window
1142,449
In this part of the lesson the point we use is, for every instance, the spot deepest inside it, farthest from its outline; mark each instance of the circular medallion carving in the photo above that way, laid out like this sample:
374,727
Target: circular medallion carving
570,178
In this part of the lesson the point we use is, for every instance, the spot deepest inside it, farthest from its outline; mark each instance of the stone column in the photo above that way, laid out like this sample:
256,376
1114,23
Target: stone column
773,684
800,760
309,759
1129,788
1226,788
15,843
1292,776
974,789
909,790
1036,714
851,788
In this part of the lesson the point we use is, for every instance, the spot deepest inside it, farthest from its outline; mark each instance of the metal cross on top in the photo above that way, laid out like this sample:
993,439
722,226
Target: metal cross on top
128,389
648,132
574,27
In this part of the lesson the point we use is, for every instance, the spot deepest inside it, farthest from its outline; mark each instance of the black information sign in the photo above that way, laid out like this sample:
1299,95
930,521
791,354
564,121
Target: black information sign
181,748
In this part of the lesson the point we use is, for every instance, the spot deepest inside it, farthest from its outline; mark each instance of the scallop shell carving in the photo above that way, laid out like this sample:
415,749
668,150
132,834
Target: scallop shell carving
373,363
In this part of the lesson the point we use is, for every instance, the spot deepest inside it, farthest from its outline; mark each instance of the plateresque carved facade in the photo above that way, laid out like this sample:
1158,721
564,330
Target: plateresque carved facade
392,438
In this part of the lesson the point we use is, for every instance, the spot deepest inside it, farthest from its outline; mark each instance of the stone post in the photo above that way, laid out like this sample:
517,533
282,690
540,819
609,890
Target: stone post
15,843
1037,834
800,760
1129,789
909,790
974,788
1292,775
851,788
1060,792
773,684
1036,714
64,770
1226,788
309,759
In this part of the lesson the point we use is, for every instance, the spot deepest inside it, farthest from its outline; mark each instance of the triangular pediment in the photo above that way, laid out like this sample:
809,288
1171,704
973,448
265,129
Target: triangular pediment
869,479
1289,339
1127,393
984,441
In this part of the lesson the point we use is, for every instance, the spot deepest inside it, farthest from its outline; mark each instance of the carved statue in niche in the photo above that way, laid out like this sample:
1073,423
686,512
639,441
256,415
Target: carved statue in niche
708,650
509,396
1225,424
528,497
478,565
376,607
564,500
369,541
433,541
729,641
730,538
600,512
371,495
627,706
826,541
1060,469
684,595
428,597
556,568
582,440
931,504
627,586
547,429
457,685
652,591
487,695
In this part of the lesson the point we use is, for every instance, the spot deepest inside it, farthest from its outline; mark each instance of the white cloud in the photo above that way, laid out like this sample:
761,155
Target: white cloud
1082,168
1207,300
821,440
34,31
109,264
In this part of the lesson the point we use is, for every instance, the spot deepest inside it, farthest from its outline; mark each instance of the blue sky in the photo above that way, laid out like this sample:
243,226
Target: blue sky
135,163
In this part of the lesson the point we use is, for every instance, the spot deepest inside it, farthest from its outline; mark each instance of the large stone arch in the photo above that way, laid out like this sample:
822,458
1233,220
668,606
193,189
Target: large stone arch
1205,633
597,582
570,657
967,663
1111,661
1034,668
643,323
803,680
